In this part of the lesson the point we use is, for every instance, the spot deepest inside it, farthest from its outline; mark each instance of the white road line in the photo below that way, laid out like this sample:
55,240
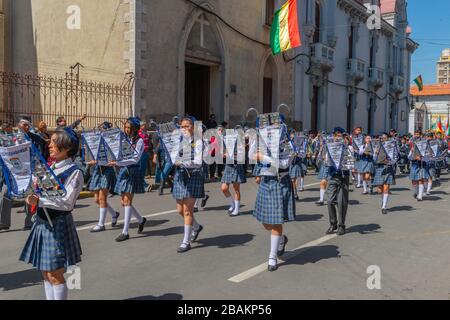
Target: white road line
121,221
288,256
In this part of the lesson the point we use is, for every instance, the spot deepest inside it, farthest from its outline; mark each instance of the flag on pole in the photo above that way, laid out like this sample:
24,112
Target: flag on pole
419,82
285,32
439,128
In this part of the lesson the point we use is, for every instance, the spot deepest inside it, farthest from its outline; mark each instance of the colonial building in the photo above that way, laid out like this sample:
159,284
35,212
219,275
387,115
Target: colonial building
352,75
213,56
443,68
430,104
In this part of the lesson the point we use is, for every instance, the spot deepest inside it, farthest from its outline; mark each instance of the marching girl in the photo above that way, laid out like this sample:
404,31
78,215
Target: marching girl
275,202
234,174
102,182
419,172
130,180
384,177
189,184
365,165
357,133
53,250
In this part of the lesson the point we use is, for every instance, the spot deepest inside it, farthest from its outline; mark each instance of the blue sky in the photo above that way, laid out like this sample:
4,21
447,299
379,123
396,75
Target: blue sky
430,22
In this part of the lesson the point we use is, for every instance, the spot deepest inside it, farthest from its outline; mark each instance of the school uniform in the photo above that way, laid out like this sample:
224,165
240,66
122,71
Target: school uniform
234,173
50,249
103,177
130,178
189,179
275,203
365,163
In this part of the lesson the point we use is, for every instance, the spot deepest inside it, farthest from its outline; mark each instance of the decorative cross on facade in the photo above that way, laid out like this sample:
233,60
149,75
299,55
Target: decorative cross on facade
203,22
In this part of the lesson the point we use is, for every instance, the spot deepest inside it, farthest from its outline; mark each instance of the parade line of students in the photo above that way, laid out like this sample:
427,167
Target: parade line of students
53,247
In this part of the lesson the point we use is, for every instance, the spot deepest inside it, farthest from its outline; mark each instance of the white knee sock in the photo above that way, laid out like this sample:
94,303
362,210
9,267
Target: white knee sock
187,235
237,205
60,292
101,220
302,183
137,214
421,187
111,211
231,201
196,203
365,185
359,179
430,185
385,200
322,194
127,219
274,243
49,291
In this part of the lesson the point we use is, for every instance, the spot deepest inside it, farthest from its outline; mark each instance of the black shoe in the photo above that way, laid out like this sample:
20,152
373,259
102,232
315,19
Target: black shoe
341,231
415,195
122,237
194,234
296,198
161,192
184,249
204,201
271,268
283,248
320,203
114,220
331,229
384,211
141,226
195,209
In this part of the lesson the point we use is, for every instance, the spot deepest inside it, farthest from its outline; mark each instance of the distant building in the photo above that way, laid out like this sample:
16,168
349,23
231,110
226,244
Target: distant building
430,104
443,68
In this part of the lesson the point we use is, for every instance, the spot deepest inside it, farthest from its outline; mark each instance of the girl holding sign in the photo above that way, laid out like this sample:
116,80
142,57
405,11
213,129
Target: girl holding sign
365,165
130,180
102,182
234,173
189,182
385,175
419,171
54,246
275,203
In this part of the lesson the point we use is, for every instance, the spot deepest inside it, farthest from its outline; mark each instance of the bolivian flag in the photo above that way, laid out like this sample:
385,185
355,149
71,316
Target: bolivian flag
439,128
419,82
285,33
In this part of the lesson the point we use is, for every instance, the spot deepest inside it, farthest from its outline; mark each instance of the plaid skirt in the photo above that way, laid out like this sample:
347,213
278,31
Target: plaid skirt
103,178
419,172
275,202
130,180
296,169
257,170
234,174
383,175
188,185
365,166
51,250
323,172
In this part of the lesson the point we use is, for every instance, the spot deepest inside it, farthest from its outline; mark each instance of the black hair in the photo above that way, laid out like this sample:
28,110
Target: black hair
65,142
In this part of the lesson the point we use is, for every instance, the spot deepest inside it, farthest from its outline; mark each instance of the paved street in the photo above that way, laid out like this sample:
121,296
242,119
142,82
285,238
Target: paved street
411,245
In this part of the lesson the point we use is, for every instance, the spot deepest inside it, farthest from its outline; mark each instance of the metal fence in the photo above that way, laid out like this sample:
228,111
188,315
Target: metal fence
38,97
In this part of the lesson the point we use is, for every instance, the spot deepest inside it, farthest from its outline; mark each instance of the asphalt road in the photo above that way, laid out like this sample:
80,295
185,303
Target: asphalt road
410,247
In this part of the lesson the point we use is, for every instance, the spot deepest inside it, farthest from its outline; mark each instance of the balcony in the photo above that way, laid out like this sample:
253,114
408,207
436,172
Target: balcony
355,71
376,78
398,84
322,57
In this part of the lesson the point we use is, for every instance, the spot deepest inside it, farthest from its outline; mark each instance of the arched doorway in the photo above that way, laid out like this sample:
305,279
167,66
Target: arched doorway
202,72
